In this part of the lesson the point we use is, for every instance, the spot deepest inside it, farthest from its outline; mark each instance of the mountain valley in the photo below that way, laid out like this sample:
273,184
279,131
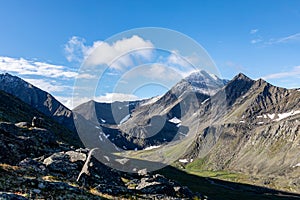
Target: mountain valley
238,138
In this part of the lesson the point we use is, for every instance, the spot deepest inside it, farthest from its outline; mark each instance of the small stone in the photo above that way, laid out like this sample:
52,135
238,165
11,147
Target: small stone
142,172
76,156
37,191
22,124
41,185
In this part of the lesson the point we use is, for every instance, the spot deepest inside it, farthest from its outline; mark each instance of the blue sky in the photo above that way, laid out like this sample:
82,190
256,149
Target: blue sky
260,38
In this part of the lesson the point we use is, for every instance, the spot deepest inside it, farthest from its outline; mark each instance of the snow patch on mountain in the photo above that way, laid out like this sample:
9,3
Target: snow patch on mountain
277,116
107,158
184,160
205,83
203,102
175,120
288,114
214,76
271,116
152,147
151,100
125,119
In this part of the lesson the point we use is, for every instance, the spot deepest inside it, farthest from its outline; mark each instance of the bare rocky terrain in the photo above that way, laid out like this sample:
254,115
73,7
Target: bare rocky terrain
40,162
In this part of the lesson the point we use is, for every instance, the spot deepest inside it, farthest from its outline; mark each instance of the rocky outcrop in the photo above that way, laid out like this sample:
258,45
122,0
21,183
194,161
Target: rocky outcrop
56,176
19,143
13,110
158,184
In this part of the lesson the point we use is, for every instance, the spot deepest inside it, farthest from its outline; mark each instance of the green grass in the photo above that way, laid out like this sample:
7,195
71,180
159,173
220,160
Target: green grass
222,175
196,164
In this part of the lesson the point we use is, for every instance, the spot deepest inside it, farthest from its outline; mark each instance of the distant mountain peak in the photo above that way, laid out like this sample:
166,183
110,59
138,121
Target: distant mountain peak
14,81
8,77
241,81
201,75
241,76
5,74
203,82
262,82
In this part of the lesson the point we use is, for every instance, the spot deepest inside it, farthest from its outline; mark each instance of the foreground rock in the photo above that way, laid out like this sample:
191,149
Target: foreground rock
57,176
36,164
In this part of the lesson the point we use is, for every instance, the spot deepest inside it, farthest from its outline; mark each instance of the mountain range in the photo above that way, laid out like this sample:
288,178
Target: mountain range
247,129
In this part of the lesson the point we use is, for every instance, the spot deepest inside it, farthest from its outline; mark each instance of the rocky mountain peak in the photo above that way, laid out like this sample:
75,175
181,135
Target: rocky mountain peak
13,80
203,76
262,83
241,76
8,76
200,75
201,82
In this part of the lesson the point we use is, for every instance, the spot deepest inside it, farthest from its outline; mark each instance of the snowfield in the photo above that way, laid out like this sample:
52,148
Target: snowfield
278,116
152,147
125,119
288,114
151,101
183,160
175,120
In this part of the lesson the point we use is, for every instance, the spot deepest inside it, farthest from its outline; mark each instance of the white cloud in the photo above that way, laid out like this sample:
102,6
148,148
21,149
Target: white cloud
22,66
290,38
177,60
254,41
107,98
295,72
155,72
146,75
158,71
102,52
48,86
75,49
66,101
122,62
193,58
253,31
86,76
184,61
235,66
111,97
